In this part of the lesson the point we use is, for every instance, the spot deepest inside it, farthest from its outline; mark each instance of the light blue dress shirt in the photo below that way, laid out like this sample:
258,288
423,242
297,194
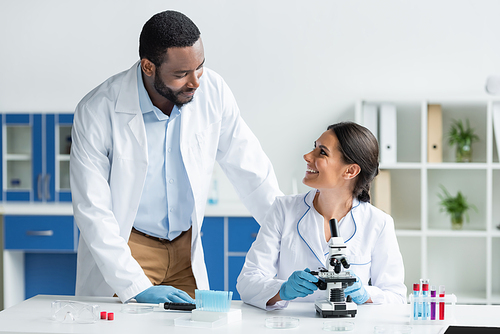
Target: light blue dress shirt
167,200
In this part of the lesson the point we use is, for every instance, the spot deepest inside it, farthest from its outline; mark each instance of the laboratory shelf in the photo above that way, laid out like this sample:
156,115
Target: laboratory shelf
430,248
495,299
460,166
62,157
18,157
227,209
456,234
478,299
408,233
401,165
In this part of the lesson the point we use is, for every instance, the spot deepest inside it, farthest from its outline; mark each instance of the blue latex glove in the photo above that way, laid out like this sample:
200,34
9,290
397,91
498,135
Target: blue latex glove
163,294
299,284
357,291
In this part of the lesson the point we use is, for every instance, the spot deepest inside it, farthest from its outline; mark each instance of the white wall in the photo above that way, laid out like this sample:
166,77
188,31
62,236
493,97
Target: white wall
294,66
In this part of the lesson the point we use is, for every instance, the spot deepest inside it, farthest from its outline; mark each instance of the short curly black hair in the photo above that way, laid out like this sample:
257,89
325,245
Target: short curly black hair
166,30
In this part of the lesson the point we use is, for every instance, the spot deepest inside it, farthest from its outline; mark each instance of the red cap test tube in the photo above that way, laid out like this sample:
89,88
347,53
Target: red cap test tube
441,302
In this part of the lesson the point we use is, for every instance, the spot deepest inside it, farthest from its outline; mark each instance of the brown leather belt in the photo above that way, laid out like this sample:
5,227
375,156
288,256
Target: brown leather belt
148,236
153,237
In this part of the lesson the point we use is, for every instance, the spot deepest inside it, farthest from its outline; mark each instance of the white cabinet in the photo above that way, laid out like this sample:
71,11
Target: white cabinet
467,261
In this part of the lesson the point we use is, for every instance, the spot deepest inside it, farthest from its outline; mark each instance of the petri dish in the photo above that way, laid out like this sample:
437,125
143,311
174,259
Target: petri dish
282,322
338,326
137,309
393,329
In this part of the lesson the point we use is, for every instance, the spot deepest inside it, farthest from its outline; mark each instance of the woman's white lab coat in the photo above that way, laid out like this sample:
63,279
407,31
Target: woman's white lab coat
292,238
108,168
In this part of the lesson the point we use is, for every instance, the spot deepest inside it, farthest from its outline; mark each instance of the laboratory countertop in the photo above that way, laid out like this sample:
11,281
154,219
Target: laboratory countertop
36,208
221,209
33,316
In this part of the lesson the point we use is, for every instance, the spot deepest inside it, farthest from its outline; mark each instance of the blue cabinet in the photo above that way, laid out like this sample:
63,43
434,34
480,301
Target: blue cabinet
212,239
46,247
226,241
40,233
49,274
42,251
242,232
235,264
35,156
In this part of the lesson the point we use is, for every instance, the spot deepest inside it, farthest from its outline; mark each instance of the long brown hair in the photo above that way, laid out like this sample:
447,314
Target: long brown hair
359,146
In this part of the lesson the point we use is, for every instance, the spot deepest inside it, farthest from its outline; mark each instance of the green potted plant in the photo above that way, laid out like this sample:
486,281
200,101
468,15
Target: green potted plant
456,206
463,137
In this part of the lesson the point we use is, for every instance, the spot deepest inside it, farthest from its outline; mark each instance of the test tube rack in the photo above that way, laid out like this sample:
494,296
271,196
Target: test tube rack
422,302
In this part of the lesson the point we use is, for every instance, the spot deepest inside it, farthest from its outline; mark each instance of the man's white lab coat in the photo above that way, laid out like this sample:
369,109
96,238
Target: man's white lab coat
108,167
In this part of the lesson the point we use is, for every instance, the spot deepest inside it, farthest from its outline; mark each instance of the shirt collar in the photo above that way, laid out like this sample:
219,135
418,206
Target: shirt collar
145,101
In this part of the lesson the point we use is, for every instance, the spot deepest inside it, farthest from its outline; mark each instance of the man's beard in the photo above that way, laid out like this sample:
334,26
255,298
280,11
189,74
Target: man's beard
168,93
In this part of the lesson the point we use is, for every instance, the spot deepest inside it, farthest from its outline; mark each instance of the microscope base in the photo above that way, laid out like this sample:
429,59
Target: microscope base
328,309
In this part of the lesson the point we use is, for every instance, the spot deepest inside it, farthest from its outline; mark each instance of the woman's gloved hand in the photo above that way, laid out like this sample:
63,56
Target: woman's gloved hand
163,294
357,291
299,284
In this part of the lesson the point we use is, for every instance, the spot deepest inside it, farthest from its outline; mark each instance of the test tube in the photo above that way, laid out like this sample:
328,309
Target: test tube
441,302
416,291
425,302
421,304
433,303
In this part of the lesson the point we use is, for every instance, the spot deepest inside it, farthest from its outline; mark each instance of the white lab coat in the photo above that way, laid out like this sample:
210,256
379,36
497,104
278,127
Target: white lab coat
292,238
108,167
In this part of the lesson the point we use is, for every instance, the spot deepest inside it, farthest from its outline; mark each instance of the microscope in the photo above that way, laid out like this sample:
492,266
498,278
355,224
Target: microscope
334,280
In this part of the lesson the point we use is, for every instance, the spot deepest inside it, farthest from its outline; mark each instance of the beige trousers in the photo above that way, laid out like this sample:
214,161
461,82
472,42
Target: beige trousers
165,262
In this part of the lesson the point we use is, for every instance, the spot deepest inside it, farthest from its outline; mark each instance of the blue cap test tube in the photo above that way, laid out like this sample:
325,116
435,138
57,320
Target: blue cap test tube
416,309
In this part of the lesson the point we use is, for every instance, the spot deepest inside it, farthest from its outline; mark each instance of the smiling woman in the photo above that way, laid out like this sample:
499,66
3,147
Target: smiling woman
342,166
296,232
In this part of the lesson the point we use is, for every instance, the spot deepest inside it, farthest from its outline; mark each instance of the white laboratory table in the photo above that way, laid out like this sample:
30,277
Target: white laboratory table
33,316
